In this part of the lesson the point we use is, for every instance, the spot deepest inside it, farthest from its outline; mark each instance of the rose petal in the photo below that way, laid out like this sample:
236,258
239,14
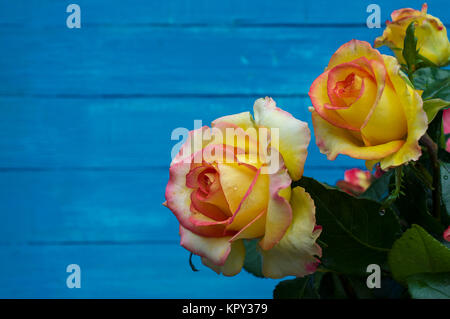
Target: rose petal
416,118
333,140
446,121
353,50
294,135
208,227
193,145
243,120
215,249
386,114
318,94
446,234
178,195
254,229
246,192
279,212
295,254
234,262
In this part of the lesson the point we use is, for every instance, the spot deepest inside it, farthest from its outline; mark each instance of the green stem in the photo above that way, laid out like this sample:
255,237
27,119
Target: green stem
397,190
432,149
191,263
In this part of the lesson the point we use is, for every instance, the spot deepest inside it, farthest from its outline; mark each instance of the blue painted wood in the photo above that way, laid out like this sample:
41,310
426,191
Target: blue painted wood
147,60
93,206
44,13
86,117
118,133
112,271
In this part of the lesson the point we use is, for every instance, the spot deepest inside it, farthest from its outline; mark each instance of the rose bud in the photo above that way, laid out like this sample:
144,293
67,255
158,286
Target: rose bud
430,32
356,181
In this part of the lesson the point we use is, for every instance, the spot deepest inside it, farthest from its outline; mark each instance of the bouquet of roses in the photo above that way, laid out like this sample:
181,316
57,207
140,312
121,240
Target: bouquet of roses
242,201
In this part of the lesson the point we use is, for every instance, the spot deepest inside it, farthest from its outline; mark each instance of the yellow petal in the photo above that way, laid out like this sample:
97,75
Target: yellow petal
246,193
234,262
243,120
319,98
215,249
279,212
254,229
387,122
416,118
296,253
356,114
333,140
294,135
353,50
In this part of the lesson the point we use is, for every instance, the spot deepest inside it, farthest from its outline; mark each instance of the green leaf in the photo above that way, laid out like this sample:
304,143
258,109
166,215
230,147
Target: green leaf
426,77
429,286
417,252
434,82
253,259
410,48
416,211
433,106
438,90
331,287
298,288
379,189
354,231
445,184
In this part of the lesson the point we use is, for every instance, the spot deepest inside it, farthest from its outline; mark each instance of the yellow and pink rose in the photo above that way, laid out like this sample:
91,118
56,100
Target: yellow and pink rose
222,200
363,107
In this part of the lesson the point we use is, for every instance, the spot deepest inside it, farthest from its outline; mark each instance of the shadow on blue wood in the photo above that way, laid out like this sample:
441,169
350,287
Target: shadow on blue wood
86,117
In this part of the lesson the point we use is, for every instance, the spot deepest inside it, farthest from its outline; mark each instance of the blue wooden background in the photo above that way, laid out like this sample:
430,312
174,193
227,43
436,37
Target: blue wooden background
86,116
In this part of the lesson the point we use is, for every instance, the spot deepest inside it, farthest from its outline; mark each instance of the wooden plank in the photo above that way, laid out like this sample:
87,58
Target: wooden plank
40,13
117,133
112,271
93,206
149,61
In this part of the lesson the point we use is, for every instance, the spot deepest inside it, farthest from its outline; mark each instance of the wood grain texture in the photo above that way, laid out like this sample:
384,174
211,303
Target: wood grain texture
93,206
113,271
118,133
45,13
86,117
143,61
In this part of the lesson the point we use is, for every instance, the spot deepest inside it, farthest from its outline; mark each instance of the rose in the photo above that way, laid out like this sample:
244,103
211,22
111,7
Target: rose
220,200
446,234
431,34
356,181
446,121
364,108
